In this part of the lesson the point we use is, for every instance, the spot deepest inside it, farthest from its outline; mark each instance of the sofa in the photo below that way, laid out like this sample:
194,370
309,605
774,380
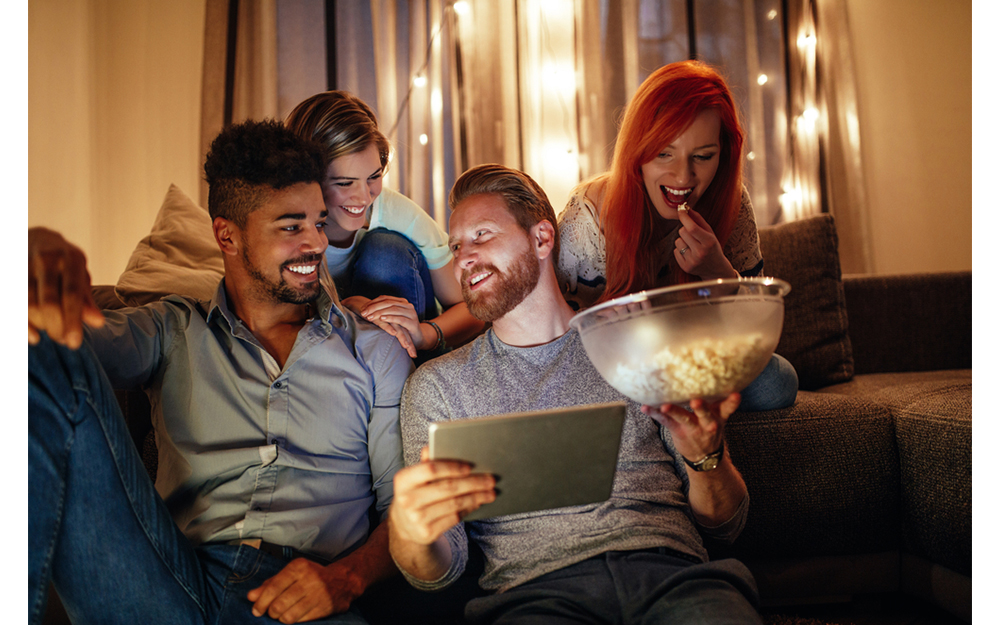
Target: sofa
863,486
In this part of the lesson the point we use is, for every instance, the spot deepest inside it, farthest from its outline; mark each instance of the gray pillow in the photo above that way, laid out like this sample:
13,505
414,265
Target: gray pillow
814,338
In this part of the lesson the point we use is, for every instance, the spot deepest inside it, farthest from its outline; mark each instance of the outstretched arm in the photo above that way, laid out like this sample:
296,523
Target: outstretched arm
715,495
59,295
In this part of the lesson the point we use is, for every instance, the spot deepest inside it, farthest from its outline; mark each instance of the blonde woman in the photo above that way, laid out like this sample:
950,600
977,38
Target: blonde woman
389,259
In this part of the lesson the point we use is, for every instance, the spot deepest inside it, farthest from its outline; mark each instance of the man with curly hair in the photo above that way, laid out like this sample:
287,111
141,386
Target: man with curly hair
275,411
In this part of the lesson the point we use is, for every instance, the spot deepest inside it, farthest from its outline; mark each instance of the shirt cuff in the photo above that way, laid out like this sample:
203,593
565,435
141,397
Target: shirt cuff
459,559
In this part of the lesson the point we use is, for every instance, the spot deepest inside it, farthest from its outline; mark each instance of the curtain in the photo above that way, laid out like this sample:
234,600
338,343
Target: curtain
844,172
261,58
824,171
562,72
540,85
240,76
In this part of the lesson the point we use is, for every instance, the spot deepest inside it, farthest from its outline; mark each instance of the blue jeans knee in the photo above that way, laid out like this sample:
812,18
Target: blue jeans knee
388,263
776,387
97,529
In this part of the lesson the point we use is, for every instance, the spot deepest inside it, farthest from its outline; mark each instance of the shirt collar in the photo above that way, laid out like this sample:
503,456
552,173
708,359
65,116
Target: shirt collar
329,314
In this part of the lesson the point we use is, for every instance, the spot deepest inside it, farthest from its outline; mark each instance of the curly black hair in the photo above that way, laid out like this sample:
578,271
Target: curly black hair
249,159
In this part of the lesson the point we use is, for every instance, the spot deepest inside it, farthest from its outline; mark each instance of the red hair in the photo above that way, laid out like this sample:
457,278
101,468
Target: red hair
662,108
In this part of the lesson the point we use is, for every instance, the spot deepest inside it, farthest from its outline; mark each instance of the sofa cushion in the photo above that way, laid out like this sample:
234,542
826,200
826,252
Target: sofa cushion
105,297
932,411
823,478
886,313
179,255
814,338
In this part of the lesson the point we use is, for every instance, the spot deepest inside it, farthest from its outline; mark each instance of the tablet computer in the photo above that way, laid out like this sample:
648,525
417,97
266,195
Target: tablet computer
543,459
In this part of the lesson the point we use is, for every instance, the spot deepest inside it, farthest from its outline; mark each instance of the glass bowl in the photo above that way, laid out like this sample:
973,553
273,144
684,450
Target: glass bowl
697,340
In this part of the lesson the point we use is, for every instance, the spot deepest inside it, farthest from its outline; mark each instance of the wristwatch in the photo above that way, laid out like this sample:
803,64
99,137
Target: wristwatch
710,461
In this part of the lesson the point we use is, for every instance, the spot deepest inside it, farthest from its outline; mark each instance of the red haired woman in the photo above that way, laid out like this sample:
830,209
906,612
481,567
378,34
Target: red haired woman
672,208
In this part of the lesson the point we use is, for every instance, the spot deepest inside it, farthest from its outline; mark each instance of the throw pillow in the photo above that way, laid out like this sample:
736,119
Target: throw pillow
814,338
178,257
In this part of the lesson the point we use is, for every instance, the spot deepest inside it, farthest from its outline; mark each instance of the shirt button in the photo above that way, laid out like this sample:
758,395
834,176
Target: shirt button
277,385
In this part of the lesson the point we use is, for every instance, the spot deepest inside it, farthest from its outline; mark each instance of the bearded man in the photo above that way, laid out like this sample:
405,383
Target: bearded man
638,557
275,410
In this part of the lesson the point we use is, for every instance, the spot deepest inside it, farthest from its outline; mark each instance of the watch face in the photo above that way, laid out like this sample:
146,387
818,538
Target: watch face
709,463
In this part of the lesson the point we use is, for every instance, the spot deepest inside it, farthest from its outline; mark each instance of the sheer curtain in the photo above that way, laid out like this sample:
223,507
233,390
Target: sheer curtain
578,63
540,85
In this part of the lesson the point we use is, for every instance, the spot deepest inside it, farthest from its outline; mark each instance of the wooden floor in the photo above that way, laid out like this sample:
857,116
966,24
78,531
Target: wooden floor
868,610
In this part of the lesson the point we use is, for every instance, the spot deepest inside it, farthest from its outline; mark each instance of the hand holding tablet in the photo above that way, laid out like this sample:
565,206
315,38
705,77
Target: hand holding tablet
542,459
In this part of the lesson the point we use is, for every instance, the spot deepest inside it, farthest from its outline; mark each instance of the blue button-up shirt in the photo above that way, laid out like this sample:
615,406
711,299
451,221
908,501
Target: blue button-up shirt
294,456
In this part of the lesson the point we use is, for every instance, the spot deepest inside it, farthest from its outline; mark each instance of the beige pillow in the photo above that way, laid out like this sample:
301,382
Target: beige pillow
178,257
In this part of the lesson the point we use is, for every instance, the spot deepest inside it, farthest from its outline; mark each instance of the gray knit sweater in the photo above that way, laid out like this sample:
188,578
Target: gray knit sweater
648,507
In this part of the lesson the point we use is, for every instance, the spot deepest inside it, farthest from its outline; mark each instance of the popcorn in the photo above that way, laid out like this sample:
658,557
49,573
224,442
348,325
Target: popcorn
706,368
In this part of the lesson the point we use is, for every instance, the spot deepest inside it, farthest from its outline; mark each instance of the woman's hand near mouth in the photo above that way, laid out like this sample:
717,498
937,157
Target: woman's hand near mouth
698,251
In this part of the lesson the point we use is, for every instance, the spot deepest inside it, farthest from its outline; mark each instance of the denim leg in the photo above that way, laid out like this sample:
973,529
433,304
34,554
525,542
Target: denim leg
582,593
97,527
776,387
661,589
388,263
629,587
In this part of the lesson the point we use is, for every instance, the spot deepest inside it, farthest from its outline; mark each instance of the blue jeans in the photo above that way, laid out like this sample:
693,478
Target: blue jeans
388,263
97,528
776,387
627,587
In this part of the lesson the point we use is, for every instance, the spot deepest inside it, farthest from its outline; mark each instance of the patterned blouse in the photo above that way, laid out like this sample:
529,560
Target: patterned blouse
582,262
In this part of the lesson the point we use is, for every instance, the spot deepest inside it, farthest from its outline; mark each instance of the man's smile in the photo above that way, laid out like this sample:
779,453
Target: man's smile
478,277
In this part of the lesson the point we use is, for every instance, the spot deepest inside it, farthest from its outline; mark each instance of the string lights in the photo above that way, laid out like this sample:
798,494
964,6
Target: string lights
549,86
419,78
549,130
800,189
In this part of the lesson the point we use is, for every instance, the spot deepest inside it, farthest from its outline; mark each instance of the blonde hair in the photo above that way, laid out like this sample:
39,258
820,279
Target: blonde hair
340,122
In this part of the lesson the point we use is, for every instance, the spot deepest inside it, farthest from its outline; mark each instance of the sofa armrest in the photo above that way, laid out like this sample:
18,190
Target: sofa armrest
916,322
105,297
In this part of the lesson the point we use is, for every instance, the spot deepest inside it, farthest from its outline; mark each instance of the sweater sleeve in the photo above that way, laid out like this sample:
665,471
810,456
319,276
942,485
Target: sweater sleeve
581,266
743,247
423,403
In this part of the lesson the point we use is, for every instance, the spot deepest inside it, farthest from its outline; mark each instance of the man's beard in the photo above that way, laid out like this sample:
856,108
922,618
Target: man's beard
509,289
281,291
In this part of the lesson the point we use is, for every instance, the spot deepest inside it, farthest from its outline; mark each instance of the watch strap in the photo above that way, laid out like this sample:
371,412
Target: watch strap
710,461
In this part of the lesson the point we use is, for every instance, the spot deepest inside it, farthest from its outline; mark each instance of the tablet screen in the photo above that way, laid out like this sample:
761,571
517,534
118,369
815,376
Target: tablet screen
543,459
